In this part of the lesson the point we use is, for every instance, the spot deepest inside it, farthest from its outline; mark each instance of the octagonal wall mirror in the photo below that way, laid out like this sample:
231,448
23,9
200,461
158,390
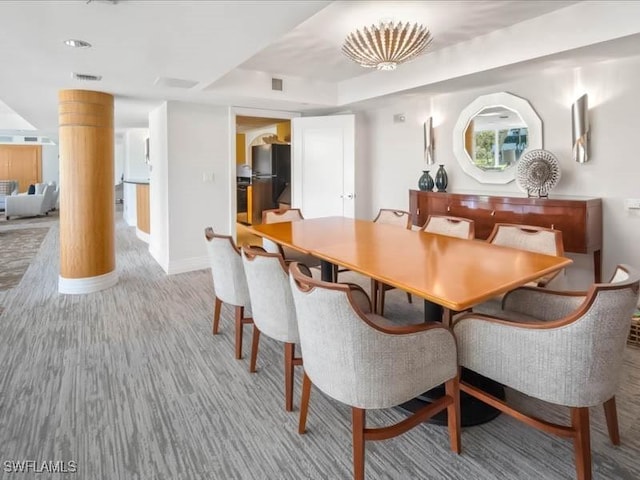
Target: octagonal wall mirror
491,135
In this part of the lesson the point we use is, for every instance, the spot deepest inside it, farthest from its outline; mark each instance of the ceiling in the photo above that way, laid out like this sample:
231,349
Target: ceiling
147,51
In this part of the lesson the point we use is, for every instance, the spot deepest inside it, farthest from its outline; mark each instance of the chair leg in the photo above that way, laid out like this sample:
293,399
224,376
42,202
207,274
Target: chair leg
409,299
239,315
254,349
611,414
216,315
304,403
289,350
452,388
358,416
582,442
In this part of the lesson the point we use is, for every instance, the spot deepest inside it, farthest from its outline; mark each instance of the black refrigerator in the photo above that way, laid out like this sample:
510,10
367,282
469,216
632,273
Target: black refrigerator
271,174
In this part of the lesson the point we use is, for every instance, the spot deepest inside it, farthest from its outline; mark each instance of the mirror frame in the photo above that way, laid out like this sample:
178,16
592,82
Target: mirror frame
500,99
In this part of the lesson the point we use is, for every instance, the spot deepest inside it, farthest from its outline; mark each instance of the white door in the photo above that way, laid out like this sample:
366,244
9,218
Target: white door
323,165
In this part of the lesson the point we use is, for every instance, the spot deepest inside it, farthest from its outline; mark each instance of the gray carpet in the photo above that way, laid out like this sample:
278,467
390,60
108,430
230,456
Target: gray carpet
17,249
130,384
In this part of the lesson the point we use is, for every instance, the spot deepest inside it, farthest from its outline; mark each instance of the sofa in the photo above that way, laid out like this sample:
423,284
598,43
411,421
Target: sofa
7,188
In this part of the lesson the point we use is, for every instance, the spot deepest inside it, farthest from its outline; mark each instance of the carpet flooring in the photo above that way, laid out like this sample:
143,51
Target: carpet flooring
17,249
129,383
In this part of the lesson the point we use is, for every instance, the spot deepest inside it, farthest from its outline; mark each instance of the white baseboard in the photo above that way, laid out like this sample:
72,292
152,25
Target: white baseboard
142,235
76,286
188,265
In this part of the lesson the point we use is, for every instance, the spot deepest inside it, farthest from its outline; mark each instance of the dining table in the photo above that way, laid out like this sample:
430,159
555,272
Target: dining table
451,274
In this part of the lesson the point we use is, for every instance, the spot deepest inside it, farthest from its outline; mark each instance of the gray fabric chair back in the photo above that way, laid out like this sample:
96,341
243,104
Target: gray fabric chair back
573,361
229,280
525,237
393,217
354,361
450,226
270,292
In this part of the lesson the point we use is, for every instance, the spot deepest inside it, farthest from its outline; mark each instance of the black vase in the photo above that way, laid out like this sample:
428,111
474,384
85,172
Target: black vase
441,179
425,183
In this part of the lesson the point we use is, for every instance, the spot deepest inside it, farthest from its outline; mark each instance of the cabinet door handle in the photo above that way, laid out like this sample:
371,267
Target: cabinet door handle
448,208
552,227
493,213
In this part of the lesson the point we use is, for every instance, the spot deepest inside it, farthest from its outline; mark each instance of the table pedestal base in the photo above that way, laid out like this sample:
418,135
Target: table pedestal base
472,410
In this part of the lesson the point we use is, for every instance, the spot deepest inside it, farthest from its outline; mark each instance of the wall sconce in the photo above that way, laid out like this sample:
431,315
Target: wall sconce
580,129
428,142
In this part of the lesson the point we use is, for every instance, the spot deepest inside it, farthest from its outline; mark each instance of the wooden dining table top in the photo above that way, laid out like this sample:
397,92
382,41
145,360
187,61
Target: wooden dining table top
452,272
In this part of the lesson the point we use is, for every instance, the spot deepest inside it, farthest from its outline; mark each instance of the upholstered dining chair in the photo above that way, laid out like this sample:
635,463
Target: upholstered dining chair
524,237
563,348
279,215
399,218
272,307
531,238
229,282
365,362
451,226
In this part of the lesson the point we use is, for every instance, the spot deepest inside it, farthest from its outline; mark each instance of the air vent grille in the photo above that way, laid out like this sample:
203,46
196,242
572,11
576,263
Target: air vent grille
87,77
276,84
30,139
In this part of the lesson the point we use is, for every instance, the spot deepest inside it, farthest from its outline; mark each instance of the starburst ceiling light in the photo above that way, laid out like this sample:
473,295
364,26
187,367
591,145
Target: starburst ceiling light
387,44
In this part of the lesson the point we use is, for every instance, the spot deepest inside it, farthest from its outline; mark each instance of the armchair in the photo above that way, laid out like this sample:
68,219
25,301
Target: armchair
272,306
387,216
523,237
360,361
29,205
229,282
7,188
568,351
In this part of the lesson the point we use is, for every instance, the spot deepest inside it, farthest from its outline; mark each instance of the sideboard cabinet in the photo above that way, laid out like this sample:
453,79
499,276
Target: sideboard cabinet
579,219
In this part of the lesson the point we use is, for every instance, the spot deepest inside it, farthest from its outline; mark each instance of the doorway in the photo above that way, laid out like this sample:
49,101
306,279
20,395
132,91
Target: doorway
263,170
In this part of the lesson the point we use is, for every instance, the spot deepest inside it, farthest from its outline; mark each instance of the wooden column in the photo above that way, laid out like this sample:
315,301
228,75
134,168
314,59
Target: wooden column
87,204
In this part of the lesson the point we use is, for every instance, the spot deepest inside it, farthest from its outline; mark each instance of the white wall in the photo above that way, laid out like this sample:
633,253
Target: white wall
50,164
134,168
396,159
191,181
158,187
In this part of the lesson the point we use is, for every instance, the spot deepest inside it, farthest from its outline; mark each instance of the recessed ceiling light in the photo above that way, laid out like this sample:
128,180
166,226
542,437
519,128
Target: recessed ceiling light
77,43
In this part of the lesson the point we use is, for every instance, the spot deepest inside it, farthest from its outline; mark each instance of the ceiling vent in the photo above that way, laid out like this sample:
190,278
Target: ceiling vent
87,77
276,84
21,140
174,82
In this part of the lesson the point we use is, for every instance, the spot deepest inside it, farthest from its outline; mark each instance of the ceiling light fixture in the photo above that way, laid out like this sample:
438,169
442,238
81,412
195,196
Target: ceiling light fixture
386,45
77,43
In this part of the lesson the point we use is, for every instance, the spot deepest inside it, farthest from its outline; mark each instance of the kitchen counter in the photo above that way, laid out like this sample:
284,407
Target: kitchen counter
137,181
